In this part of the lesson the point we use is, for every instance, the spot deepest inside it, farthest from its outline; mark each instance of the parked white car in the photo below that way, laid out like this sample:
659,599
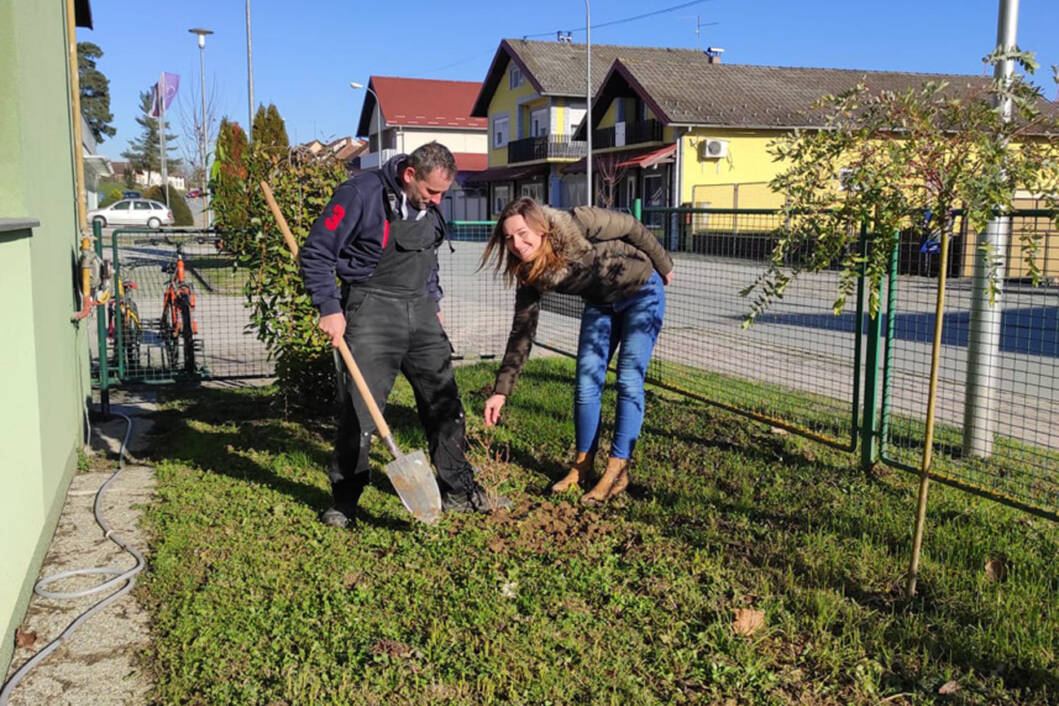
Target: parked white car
133,212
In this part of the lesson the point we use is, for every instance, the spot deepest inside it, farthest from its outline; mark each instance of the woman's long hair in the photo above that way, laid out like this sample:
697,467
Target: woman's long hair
514,268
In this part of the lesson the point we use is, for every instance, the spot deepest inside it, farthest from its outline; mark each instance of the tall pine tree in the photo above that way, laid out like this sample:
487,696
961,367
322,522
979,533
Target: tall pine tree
95,92
144,153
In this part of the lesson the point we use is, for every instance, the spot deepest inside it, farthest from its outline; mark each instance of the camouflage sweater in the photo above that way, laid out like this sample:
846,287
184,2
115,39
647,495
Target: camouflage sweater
607,256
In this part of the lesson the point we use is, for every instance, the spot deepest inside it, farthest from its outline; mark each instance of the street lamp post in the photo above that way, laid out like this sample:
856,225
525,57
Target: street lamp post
203,127
378,118
249,78
588,103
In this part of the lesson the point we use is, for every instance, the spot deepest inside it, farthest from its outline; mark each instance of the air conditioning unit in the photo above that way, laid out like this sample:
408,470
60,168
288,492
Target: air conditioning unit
713,149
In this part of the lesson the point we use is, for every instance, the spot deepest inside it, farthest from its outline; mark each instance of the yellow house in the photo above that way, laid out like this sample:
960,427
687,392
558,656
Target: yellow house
718,119
533,97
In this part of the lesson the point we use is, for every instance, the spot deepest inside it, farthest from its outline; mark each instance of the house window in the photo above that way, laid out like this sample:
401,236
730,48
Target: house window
501,195
533,190
619,110
515,77
501,125
630,191
654,195
539,123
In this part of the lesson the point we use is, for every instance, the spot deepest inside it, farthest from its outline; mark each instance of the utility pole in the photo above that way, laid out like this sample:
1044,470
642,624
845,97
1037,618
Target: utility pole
161,92
204,128
249,79
588,104
983,348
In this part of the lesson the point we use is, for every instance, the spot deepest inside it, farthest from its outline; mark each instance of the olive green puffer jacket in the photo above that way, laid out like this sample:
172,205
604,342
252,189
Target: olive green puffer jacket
607,256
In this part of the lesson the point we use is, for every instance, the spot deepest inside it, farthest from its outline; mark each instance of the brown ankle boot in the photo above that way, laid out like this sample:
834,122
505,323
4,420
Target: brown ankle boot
582,468
617,472
620,483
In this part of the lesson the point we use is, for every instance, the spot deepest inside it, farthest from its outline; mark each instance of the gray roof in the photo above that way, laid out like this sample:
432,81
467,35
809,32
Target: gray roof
682,87
558,68
699,93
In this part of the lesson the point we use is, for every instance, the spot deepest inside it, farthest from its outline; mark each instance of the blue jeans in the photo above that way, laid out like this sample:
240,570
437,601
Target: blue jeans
633,322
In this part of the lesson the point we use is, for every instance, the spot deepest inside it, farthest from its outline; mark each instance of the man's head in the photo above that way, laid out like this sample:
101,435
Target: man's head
427,174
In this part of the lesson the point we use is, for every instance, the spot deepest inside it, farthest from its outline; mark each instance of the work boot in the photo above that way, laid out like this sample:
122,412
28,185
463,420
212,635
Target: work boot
582,468
478,500
615,479
338,517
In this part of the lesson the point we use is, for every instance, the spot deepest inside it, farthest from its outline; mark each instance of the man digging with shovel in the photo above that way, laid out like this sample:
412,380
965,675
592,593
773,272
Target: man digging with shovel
380,233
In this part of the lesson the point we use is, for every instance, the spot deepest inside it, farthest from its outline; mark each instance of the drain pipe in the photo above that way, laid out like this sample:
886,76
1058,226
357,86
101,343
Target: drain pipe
75,117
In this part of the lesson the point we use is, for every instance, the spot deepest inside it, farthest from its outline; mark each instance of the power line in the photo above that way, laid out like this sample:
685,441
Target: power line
581,29
627,19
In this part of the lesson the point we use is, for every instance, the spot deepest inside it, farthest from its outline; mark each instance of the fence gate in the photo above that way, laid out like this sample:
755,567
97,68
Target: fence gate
176,312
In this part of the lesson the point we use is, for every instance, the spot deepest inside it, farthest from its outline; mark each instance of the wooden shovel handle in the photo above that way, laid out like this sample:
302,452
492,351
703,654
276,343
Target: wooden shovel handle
343,349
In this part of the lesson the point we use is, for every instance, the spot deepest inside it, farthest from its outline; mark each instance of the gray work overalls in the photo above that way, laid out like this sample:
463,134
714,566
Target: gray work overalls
391,325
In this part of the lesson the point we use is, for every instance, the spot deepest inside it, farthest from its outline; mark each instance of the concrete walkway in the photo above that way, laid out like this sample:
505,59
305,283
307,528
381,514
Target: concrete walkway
100,663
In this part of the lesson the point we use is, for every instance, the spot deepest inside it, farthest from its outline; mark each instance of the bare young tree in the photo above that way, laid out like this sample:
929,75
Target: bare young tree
191,124
609,175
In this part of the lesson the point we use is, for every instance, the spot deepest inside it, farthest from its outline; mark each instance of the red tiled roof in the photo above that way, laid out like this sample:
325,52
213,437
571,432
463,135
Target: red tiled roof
426,102
470,162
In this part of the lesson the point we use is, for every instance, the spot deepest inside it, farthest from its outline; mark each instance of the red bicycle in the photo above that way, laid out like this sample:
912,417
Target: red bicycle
178,328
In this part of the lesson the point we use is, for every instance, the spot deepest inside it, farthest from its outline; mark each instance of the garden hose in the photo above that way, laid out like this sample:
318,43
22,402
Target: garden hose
95,280
128,576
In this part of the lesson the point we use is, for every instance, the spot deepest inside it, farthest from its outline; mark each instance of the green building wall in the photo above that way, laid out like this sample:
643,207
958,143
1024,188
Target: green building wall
44,377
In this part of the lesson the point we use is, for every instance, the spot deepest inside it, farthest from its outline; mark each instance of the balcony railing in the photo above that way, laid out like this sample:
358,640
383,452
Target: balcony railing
643,131
627,134
371,159
603,138
545,147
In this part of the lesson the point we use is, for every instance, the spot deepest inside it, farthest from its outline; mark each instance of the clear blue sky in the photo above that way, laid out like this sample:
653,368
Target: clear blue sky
306,53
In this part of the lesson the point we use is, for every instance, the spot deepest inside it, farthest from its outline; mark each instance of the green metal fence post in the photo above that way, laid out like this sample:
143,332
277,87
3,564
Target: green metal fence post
119,315
869,449
637,209
888,354
101,331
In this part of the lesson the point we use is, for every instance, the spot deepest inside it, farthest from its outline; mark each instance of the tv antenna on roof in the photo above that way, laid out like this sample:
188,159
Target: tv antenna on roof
699,24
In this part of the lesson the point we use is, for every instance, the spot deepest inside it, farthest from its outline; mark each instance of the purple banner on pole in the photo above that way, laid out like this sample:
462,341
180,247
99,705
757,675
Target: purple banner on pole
167,87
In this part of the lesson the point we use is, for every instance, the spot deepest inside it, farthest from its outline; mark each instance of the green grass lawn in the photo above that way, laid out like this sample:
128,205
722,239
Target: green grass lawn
255,602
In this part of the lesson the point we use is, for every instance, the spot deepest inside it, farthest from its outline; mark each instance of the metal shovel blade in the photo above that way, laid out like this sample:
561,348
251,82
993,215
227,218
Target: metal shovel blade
416,485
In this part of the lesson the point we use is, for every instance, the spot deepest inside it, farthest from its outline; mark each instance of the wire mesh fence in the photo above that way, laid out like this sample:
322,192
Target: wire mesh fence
799,366
476,306
1007,445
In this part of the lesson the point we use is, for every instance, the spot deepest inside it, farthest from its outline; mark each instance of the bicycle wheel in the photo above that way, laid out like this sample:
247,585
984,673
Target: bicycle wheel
183,304
131,336
167,332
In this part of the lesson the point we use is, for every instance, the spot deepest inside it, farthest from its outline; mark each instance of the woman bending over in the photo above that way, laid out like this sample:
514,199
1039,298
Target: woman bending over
618,268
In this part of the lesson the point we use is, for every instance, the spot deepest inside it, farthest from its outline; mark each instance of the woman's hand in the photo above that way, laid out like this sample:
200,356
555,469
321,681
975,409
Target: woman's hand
492,409
667,278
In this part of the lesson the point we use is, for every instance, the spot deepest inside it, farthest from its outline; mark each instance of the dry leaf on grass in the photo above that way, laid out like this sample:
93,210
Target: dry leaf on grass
392,649
996,569
949,687
24,639
747,621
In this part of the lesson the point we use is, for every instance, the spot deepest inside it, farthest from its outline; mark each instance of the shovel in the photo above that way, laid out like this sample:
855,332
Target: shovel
410,474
